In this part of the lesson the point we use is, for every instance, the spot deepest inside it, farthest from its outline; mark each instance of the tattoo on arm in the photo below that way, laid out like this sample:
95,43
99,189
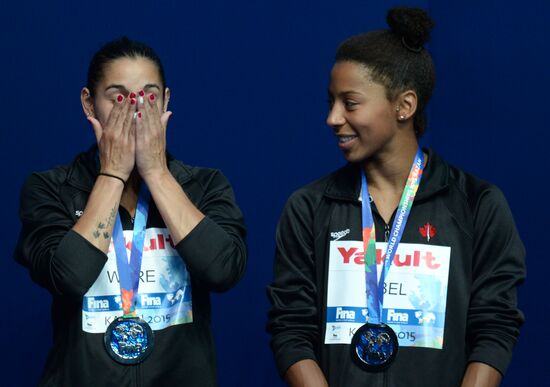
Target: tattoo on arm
112,216
102,226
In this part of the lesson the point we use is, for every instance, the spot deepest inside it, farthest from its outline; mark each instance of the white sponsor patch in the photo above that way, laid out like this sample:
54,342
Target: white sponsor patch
164,294
415,292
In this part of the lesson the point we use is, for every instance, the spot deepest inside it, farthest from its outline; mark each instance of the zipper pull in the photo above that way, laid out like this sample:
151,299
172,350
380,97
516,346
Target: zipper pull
386,232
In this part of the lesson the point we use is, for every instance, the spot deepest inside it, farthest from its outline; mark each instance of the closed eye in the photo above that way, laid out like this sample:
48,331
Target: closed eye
350,104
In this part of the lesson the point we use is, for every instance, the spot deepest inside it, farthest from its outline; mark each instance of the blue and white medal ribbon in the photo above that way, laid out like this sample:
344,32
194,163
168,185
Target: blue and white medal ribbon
129,339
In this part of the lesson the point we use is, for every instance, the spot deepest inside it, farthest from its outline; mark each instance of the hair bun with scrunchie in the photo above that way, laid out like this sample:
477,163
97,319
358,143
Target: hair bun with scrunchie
412,24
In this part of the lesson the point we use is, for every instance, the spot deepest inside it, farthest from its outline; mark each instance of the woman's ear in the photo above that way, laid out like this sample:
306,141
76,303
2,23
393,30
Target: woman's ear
166,99
406,104
87,102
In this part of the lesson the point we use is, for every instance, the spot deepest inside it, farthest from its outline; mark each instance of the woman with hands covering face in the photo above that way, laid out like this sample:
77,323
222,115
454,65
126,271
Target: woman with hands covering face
193,243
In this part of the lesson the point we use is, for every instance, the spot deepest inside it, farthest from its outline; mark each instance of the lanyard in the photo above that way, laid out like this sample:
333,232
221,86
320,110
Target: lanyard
128,269
375,288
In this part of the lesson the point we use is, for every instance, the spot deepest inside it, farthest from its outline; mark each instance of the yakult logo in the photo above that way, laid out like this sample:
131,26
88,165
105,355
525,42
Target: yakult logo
155,241
357,256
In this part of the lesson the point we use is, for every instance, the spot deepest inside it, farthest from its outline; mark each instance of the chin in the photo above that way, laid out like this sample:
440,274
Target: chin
354,158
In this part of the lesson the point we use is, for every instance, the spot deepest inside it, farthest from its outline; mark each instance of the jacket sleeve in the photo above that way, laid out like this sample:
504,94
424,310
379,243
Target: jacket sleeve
57,258
293,318
498,268
215,250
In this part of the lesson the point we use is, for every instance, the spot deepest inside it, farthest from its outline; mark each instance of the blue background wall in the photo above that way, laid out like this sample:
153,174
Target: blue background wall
248,82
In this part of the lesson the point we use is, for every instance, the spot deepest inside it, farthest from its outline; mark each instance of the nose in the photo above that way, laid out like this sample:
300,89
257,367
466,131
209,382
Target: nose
335,117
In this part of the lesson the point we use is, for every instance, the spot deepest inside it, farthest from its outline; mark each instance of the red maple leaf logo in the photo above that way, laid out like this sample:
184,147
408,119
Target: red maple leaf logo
428,231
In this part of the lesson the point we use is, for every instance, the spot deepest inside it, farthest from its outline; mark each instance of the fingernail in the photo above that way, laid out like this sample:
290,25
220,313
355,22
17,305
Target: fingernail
140,99
133,101
152,97
135,115
120,98
132,95
141,93
139,114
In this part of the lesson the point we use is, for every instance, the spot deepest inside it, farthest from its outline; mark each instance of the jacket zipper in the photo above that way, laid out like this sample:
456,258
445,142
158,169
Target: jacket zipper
386,232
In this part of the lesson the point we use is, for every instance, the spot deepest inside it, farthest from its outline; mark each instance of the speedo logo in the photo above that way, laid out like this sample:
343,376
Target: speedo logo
353,255
337,235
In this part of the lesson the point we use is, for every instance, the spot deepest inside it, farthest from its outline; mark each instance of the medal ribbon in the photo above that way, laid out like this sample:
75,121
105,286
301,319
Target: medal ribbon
128,269
375,288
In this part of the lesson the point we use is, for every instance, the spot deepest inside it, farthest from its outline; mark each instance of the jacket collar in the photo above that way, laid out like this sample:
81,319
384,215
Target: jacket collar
434,180
85,167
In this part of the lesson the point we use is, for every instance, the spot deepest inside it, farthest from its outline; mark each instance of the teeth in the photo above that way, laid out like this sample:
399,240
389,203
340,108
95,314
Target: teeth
343,139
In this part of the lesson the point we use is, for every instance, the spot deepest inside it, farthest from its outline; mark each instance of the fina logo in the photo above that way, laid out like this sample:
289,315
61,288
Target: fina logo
97,304
150,301
343,314
397,317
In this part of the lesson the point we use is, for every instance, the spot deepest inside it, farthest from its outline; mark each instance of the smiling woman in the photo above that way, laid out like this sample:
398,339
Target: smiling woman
130,241
365,291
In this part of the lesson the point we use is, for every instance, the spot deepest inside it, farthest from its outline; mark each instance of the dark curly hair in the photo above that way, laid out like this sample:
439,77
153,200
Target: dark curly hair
397,58
120,48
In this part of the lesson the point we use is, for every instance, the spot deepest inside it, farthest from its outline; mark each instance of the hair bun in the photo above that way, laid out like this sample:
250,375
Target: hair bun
412,24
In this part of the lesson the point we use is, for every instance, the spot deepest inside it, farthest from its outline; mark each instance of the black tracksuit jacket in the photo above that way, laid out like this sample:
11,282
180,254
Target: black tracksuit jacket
67,265
482,320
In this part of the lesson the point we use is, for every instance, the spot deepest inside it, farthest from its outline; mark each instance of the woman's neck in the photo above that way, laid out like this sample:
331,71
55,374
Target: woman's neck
387,175
389,170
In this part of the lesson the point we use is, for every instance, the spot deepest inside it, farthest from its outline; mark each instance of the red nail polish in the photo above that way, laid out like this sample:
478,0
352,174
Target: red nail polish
133,101
152,97
139,114
141,93
132,95
120,98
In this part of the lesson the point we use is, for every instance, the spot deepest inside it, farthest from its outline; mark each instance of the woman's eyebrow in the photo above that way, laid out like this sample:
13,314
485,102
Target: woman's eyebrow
120,88
123,90
150,86
346,93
